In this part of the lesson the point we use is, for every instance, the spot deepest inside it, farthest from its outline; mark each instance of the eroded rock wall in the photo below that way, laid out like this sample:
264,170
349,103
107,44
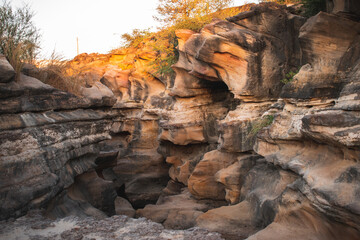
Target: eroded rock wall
295,178
225,145
47,138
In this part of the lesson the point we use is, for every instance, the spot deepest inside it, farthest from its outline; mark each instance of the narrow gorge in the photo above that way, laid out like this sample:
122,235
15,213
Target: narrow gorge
228,145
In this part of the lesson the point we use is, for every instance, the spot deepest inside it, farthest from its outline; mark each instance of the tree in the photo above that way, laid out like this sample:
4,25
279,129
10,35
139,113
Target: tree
282,1
173,11
19,38
135,38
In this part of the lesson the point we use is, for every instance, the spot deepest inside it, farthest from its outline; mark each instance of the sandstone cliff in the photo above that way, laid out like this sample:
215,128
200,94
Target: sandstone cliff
225,145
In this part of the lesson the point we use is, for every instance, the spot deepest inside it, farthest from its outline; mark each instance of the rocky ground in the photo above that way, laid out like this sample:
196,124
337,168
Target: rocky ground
34,226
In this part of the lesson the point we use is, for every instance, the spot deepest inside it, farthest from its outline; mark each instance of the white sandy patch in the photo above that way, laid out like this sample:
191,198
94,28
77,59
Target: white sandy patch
23,232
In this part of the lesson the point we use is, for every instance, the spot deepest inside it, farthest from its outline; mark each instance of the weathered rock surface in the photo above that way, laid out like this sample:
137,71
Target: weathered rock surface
215,147
123,207
324,57
99,94
7,72
42,150
348,7
177,211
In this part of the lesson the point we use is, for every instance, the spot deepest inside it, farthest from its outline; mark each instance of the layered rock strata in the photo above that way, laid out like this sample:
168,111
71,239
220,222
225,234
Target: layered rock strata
303,172
225,145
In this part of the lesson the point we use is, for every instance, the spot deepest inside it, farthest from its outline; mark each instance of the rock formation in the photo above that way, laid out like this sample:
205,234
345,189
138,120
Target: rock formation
225,145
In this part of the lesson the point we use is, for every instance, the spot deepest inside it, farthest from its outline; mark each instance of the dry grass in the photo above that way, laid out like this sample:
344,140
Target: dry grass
16,54
19,38
59,74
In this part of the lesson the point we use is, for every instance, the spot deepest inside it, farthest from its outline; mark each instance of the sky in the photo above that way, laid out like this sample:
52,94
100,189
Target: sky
98,24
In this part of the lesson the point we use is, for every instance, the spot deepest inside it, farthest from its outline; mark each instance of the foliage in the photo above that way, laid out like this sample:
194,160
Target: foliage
171,12
282,1
164,44
166,41
312,7
135,38
192,15
260,124
289,77
19,38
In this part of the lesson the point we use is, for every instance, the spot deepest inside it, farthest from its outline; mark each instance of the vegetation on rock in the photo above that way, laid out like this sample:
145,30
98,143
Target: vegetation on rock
172,12
19,38
261,123
289,77
59,74
192,15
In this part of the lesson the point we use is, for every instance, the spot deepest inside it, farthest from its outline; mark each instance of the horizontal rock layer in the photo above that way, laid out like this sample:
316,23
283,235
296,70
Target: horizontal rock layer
225,145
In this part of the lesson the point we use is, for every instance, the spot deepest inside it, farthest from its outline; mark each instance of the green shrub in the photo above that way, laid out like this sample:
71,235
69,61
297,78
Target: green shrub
19,38
164,41
260,124
289,77
135,38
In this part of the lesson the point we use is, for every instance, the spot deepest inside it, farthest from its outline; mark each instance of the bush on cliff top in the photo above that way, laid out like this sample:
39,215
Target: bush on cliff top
58,73
192,15
19,38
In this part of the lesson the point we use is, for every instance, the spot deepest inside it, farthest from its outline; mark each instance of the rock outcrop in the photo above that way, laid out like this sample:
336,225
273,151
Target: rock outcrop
48,137
297,174
225,145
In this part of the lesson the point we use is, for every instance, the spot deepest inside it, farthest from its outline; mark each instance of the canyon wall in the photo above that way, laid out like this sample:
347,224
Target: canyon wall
234,143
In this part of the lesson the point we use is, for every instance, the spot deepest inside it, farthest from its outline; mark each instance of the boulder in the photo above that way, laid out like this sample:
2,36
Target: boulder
233,222
202,183
7,72
343,6
65,205
322,56
123,207
99,94
98,192
233,176
176,211
116,80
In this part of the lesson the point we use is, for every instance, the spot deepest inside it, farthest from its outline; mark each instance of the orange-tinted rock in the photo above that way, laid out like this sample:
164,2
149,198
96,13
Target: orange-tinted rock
202,183
176,212
233,177
232,221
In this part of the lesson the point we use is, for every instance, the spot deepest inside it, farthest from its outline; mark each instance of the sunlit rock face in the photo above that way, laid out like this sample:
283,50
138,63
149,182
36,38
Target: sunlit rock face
249,53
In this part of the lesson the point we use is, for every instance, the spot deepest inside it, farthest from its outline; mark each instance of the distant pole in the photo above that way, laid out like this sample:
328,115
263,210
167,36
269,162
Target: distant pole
77,45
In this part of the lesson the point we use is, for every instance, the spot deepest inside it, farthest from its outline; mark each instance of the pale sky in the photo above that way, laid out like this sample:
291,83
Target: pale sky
97,23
